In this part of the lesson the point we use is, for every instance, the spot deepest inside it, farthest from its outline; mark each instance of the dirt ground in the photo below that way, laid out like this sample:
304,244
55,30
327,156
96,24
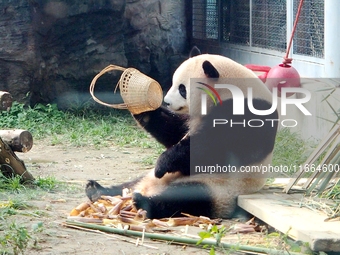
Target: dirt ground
111,165
74,166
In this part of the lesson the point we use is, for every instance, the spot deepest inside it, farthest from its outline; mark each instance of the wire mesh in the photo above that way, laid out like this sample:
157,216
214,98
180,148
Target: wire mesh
198,19
269,24
309,35
205,19
235,21
260,23
211,28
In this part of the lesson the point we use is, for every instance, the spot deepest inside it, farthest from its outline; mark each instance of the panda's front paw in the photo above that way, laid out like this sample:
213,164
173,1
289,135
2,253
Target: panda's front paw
175,159
94,190
140,201
162,166
159,172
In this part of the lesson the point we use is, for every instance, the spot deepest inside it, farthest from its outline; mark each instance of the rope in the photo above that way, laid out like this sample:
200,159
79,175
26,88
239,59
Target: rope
288,60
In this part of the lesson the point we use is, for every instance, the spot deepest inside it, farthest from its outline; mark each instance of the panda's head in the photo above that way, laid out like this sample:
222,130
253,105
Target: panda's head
210,66
197,66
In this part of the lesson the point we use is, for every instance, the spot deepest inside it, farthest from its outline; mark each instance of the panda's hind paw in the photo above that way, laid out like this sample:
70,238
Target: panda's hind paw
94,190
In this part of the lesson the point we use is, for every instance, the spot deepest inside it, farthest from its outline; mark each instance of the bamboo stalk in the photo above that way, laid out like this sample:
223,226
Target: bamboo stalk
179,239
85,220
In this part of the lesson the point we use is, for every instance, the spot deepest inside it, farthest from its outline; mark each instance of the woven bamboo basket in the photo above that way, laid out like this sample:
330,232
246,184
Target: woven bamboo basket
140,93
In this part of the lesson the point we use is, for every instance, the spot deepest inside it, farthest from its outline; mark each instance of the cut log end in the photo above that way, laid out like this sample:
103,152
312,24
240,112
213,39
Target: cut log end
5,101
17,139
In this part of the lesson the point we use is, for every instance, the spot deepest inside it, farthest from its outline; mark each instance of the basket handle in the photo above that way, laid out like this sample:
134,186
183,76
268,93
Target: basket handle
93,83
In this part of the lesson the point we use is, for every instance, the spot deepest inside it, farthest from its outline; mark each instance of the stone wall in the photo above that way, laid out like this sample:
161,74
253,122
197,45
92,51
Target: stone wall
51,50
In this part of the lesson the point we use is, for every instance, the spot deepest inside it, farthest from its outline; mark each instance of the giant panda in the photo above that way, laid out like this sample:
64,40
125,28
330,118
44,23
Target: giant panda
170,189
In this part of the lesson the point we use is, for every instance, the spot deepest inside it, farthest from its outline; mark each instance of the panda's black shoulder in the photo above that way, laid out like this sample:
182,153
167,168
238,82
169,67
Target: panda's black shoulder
233,140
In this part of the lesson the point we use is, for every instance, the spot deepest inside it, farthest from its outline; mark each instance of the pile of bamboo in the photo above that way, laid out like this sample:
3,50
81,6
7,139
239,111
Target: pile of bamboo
119,212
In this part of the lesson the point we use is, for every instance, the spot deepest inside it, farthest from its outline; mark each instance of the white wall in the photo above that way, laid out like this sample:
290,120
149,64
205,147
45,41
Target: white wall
306,66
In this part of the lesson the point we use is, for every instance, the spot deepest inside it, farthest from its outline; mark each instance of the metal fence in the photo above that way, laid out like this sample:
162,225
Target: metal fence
236,22
309,37
199,19
261,24
269,29
205,19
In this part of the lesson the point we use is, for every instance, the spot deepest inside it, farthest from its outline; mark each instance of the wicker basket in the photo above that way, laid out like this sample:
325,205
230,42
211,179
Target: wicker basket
140,93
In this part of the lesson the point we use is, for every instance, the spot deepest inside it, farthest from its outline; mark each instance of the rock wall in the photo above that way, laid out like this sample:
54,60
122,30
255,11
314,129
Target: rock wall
51,50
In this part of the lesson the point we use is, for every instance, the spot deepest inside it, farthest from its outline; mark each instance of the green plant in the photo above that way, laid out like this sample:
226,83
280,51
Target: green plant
16,238
12,184
11,207
48,183
212,232
332,193
6,211
283,242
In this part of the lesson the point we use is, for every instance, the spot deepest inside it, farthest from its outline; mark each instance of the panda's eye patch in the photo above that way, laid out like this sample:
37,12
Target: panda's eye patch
182,91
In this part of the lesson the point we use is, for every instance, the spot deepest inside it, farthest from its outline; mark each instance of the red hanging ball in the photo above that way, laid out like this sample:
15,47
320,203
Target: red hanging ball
283,75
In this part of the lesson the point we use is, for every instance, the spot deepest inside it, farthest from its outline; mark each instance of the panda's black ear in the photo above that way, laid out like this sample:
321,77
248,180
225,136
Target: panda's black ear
209,70
194,52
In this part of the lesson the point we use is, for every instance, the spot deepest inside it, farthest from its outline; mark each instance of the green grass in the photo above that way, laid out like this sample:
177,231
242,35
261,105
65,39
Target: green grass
48,183
17,234
290,149
82,127
13,184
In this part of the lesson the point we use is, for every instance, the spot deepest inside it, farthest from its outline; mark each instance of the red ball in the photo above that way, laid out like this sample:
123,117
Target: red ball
283,75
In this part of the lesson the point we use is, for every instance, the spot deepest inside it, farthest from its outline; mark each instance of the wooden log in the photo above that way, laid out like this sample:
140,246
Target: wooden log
18,139
10,164
5,101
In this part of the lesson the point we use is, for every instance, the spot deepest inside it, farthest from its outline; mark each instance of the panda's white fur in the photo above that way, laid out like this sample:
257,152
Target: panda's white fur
240,76
222,189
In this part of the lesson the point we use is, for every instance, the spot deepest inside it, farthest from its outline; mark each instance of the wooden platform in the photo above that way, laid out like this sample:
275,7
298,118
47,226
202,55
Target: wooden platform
300,223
